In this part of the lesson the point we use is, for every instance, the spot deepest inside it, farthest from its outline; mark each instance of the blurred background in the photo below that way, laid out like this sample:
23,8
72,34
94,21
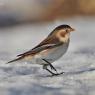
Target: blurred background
21,11
25,23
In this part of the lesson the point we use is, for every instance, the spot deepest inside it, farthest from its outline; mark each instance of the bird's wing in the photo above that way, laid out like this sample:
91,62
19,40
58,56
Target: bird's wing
49,42
39,49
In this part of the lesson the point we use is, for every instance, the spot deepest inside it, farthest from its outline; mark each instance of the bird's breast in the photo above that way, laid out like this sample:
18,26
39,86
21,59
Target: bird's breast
53,54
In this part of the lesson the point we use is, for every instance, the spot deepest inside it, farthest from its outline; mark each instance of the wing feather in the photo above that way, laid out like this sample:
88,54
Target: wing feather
49,42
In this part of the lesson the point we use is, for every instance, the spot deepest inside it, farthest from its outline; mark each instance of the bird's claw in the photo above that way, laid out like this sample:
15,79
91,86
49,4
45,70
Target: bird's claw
56,74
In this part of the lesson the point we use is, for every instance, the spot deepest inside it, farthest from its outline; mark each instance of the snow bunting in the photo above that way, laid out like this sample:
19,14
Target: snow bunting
50,49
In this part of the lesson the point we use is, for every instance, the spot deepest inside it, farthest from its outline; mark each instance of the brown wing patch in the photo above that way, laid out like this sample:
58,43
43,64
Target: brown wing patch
28,53
49,40
29,57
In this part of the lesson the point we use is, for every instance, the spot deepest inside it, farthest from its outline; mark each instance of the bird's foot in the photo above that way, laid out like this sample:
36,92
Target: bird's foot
56,74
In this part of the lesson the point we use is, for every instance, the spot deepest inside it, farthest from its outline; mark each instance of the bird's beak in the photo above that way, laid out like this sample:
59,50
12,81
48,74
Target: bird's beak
72,29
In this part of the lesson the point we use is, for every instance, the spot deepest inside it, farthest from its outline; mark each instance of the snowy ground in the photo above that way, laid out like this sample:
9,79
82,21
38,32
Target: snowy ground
28,79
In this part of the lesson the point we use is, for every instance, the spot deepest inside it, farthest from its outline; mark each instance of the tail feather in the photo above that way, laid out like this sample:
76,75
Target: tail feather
17,59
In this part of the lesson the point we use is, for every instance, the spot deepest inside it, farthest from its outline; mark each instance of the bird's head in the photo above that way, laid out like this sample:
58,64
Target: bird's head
63,32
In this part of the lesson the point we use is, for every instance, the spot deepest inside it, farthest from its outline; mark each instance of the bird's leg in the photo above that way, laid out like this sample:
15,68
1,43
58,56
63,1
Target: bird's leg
52,67
53,74
45,67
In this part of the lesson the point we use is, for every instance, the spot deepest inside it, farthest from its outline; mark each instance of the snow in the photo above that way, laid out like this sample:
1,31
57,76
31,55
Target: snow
30,79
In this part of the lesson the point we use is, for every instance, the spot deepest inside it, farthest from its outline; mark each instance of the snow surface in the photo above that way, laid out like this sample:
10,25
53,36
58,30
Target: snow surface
28,79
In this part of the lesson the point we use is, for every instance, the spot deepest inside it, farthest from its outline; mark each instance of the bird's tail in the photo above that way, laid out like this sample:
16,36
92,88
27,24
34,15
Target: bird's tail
17,59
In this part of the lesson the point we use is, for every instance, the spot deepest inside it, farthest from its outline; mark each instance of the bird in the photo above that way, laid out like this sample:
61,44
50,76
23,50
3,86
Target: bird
53,47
